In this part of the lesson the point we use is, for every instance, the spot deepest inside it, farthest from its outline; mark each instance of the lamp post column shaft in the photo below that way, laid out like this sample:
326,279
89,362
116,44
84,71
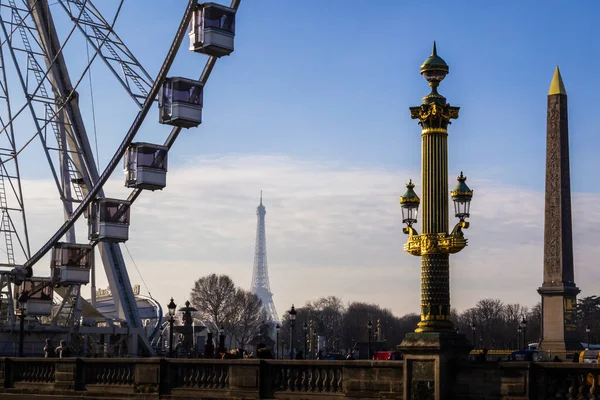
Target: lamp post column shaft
292,342
474,344
21,333
171,337
277,346
369,352
435,275
305,346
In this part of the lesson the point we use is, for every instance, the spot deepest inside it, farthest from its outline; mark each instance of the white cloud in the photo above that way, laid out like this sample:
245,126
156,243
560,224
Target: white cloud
331,230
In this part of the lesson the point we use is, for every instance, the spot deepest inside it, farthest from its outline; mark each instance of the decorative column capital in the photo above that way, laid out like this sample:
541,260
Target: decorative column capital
434,117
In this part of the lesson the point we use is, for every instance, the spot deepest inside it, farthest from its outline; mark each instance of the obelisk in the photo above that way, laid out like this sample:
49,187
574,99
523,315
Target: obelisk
558,291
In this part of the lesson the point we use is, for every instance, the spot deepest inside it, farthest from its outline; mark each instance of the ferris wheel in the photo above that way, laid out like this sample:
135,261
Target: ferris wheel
39,103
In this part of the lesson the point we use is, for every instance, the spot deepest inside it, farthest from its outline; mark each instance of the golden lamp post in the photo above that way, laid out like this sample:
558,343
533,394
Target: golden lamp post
435,244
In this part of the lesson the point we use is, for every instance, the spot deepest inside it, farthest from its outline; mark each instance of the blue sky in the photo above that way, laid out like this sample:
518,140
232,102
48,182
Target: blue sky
333,80
321,89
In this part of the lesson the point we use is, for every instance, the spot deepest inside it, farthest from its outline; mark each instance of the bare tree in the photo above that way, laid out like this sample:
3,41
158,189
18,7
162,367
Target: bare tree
246,316
213,296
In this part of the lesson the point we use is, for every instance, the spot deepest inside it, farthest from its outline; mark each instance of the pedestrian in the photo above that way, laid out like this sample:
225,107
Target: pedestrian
49,349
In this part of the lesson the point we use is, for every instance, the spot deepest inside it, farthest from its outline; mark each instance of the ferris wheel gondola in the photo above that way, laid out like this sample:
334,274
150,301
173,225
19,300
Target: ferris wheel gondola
57,119
212,29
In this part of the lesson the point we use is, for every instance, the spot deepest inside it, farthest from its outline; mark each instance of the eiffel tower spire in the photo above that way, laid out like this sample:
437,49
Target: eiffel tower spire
260,275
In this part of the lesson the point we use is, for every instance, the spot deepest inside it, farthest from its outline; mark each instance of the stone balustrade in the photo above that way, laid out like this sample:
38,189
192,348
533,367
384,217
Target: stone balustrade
157,378
198,378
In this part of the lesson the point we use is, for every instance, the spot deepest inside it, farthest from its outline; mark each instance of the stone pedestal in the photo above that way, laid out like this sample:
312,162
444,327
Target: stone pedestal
429,358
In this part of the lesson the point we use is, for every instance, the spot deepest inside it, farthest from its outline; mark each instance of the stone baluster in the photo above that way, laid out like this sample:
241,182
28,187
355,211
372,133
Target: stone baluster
304,382
213,377
196,376
131,375
314,376
332,380
298,379
340,380
186,376
326,380
321,380
290,379
105,372
204,378
224,377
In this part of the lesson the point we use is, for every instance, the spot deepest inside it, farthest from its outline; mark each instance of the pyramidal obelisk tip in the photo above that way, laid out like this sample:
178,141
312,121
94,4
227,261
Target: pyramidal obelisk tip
557,86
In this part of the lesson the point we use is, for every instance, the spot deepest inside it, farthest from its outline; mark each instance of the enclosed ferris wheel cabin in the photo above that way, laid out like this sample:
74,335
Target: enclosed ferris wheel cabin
71,263
108,220
146,166
180,102
212,30
34,298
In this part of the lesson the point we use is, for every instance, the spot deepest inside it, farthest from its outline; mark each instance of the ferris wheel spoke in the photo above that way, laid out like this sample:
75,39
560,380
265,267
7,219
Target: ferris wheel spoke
108,45
40,97
9,171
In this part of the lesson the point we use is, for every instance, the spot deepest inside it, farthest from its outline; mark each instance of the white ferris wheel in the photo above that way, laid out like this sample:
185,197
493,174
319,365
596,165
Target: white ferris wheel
39,103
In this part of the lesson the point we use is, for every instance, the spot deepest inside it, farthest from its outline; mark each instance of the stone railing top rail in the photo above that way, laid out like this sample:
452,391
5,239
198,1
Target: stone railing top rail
253,361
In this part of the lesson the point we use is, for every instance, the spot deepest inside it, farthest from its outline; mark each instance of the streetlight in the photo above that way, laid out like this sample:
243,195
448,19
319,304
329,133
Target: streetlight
519,330
437,241
292,313
588,330
277,328
23,312
473,330
369,329
305,331
524,327
172,308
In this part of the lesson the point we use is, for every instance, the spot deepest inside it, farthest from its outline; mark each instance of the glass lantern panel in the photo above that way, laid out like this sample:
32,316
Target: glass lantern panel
409,213
187,92
151,157
217,18
461,207
114,212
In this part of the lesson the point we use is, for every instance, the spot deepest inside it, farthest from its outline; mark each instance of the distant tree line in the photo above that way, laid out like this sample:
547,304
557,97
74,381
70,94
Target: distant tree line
490,323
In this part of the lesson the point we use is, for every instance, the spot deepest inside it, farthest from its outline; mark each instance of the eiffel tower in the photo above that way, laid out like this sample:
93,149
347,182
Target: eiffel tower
260,276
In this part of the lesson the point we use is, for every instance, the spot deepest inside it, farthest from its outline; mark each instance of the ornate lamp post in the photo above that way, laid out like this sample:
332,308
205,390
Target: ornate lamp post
435,243
519,330
473,330
588,330
369,329
305,331
22,314
292,313
524,328
277,329
172,307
